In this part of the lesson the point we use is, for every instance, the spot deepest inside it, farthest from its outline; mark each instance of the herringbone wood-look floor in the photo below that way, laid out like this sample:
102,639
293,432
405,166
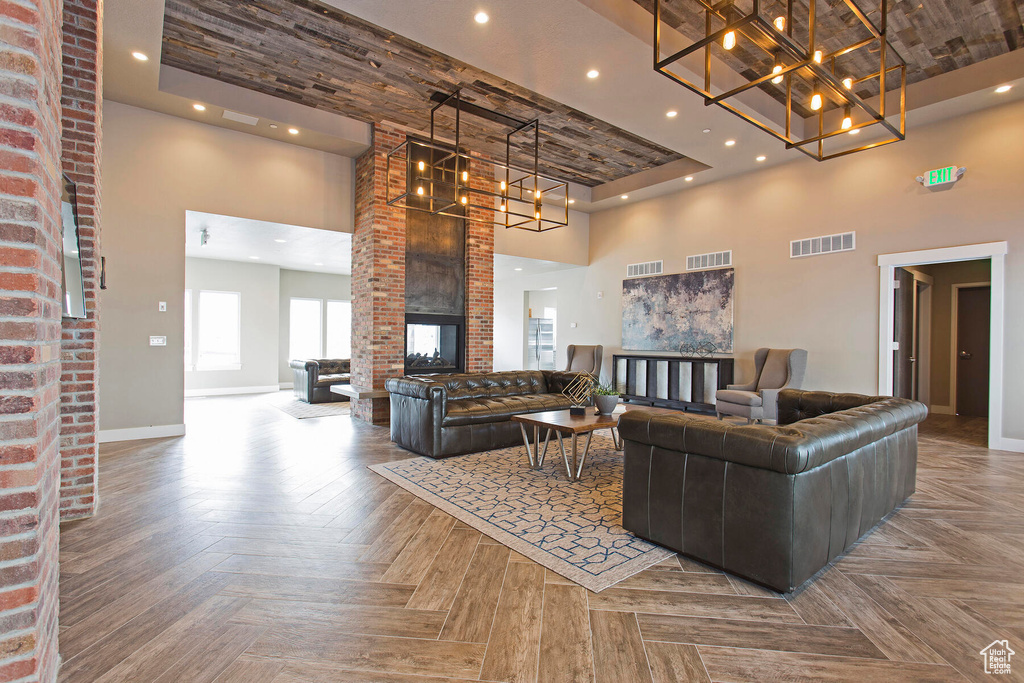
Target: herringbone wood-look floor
259,548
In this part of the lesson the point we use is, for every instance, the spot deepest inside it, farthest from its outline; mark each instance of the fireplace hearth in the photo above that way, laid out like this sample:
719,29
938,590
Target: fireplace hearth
433,343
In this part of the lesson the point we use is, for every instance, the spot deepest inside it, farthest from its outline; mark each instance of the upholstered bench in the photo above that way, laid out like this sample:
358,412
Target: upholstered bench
452,414
773,504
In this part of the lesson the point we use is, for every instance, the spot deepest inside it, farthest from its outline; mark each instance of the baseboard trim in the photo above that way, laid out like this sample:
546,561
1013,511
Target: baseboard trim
230,391
136,433
942,410
1008,444
286,385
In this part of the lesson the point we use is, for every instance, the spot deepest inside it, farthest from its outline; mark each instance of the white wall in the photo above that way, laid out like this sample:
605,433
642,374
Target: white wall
570,244
155,167
826,304
259,286
305,285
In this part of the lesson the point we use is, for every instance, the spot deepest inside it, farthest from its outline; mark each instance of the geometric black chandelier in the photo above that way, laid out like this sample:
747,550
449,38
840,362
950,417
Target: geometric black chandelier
447,179
824,67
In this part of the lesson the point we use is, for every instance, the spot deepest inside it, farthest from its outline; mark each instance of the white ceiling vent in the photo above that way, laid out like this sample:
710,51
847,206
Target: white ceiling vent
719,259
827,244
240,118
644,269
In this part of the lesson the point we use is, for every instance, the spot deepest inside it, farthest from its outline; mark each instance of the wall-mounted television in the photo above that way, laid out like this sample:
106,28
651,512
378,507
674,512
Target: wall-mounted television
72,282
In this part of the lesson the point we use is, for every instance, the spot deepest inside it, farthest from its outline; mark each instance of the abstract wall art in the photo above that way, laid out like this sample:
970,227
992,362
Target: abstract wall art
666,312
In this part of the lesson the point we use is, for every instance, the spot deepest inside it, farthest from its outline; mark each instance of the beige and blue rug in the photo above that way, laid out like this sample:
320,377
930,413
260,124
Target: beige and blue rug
572,528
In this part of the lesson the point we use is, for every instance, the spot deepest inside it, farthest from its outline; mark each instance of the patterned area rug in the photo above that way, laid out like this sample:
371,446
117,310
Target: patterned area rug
301,410
572,528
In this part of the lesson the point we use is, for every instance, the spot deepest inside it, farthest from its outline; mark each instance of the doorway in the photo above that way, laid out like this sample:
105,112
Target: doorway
540,326
895,374
970,367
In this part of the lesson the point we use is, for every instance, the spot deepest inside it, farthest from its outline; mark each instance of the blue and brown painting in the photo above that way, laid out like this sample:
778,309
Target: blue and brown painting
666,312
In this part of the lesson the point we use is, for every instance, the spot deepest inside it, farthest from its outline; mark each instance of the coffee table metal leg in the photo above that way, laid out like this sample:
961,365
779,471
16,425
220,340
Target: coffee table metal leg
565,457
616,439
543,453
526,442
586,450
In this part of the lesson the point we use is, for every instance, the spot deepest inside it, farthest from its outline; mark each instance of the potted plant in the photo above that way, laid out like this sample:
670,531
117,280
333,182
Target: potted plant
605,398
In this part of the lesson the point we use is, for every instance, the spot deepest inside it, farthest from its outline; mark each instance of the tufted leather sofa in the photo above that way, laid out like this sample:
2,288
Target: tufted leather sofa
773,504
313,379
452,414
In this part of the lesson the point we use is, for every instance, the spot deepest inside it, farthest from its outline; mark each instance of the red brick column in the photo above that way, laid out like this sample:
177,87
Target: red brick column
82,104
378,278
30,312
480,280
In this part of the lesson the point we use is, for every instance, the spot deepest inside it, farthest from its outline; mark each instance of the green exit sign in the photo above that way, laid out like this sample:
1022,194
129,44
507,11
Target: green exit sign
940,176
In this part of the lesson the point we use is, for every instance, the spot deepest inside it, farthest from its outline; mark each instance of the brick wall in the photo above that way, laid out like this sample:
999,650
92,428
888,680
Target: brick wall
378,278
480,280
30,75
81,101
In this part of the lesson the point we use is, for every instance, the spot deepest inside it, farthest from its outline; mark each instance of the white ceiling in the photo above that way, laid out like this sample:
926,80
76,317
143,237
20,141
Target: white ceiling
241,239
506,267
545,45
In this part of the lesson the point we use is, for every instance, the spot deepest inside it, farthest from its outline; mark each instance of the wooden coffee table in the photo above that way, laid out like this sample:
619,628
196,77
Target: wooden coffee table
563,424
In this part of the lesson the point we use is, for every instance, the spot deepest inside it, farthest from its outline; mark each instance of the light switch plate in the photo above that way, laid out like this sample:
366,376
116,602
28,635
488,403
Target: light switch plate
600,295
158,341
163,306
572,325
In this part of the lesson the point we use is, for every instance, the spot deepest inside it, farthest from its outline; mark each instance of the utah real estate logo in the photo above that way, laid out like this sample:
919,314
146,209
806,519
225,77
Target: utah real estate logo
997,657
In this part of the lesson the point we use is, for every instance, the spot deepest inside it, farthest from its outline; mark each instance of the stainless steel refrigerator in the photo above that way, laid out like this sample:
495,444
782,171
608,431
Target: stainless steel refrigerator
540,350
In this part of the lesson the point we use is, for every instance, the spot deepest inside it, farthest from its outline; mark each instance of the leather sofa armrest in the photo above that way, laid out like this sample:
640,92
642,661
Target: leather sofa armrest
414,387
558,380
307,365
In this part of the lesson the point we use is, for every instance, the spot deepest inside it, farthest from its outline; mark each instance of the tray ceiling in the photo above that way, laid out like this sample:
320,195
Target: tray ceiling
315,55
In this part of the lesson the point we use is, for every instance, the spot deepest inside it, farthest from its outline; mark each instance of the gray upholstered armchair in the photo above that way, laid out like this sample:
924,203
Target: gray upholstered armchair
584,359
774,370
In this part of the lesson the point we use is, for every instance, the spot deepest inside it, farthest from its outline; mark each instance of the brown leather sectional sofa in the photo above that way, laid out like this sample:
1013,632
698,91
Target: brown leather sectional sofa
452,414
773,504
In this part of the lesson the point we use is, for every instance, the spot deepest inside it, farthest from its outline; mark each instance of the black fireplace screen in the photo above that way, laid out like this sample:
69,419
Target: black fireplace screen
432,347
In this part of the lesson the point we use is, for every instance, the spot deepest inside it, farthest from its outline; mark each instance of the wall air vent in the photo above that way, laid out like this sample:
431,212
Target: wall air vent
240,118
719,259
645,269
827,244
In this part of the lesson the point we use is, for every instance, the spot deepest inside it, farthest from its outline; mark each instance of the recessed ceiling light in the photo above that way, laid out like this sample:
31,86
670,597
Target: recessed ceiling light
593,73
625,196
199,107
572,201
706,130
854,131
317,264
761,158
730,143
141,56
517,269
255,258
293,131
688,178
481,17
672,113
1003,88
280,241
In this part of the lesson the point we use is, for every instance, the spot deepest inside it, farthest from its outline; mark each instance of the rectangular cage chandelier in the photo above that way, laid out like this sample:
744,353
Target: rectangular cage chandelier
825,68
448,179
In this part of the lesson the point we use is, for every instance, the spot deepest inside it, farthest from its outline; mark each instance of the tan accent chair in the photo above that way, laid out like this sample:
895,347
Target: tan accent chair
584,359
774,370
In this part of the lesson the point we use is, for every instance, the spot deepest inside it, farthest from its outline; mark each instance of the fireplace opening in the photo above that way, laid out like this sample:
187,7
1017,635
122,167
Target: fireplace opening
433,343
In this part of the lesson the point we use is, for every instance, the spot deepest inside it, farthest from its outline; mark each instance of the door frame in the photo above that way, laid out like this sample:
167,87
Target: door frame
996,251
954,312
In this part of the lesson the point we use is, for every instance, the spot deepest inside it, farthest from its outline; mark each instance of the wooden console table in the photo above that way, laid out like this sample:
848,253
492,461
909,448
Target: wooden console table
681,383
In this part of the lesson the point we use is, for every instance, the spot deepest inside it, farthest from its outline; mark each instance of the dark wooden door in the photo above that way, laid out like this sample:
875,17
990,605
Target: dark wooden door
903,357
973,308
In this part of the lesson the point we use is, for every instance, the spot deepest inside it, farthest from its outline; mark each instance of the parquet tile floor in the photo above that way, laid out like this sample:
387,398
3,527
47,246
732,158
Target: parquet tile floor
260,549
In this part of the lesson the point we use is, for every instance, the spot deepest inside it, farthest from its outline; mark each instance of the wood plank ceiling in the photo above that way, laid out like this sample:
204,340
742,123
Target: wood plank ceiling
933,36
315,55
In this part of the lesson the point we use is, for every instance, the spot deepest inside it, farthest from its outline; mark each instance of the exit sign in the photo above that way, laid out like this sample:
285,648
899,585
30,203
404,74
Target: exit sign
941,176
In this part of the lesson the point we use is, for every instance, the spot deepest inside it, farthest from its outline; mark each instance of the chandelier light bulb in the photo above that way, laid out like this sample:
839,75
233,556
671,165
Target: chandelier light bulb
419,190
422,166
816,101
817,56
465,199
537,215
847,120
729,40
776,69
503,186
780,23
848,83
503,207
465,176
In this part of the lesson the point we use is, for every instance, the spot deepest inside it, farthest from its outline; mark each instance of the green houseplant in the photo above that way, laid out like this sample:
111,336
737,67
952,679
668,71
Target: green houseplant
605,398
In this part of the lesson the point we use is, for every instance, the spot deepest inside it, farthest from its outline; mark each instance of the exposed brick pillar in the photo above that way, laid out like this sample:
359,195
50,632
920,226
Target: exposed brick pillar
30,313
378,278
82,104
480,281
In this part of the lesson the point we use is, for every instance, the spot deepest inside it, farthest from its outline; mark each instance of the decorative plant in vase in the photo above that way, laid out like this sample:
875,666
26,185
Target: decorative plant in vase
606,397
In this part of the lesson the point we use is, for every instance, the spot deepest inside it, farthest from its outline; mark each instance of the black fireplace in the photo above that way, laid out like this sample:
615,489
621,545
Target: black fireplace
433,343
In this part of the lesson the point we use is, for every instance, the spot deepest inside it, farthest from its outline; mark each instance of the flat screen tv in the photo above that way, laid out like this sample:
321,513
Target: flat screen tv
72,282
